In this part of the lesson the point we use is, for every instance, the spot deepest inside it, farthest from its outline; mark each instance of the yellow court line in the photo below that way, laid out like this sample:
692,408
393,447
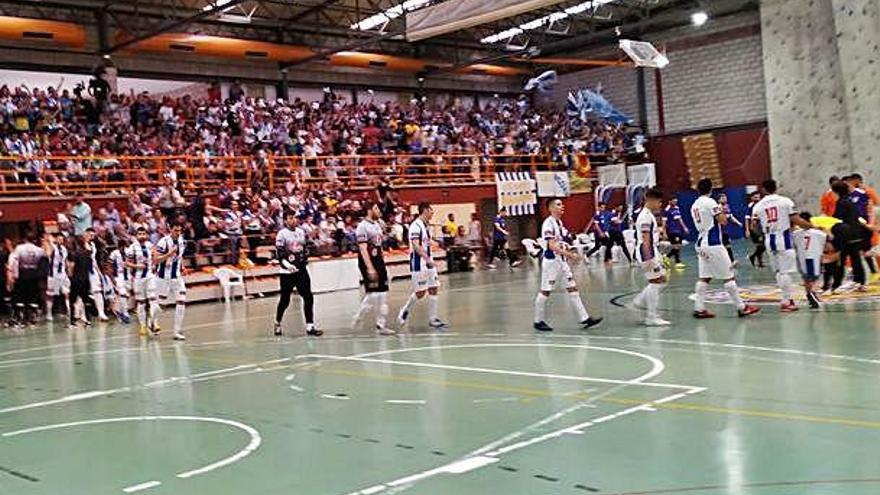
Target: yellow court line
532,393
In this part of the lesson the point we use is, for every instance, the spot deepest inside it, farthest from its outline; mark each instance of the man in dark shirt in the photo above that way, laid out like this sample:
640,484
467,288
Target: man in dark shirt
80,262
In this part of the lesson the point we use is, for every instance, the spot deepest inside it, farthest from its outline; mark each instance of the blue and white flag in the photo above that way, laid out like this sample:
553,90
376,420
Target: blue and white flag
585,103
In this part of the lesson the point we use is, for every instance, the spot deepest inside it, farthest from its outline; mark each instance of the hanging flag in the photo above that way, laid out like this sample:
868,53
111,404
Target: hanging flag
516,192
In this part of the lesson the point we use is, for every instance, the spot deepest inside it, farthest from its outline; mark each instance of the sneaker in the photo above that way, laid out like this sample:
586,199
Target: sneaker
155,330
657,322
542,327
383,330
861,288
703,315
277,330
680,266
179,336
788,307
516,263
748,310
143,331
591,322
874,278
72,325
124,318
401,318
813,299
49,318
491,266
313,331
438,323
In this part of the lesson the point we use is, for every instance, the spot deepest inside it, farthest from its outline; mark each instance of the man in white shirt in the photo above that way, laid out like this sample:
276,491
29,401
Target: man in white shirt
139,259
713,260
777,214
168,254
371,263
58,283
422,269
555,266
648,256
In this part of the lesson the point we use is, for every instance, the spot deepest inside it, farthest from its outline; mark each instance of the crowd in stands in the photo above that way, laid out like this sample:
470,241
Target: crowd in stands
38,124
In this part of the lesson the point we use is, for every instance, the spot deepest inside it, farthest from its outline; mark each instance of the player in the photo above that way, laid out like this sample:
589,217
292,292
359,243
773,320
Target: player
120,277
600,225
865,200
810,245
648,256
725,231
290,249
95,282
676,230
58,283
79,266
371,238
554,266
422,269
168,255
24,270
713,261
500,236
777,214
754,231
139,259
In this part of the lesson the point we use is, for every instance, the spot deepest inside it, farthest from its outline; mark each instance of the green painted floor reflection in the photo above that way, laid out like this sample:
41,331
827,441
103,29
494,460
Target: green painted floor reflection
770,405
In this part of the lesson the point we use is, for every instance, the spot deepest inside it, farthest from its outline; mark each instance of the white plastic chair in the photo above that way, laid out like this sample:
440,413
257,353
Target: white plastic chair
229,279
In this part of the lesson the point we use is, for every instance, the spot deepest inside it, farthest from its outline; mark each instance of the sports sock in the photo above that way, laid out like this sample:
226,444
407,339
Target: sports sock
179,311
784,282
407,307
700,292
433,302
540,307
733,292
380,301
575,298
142,312
99,304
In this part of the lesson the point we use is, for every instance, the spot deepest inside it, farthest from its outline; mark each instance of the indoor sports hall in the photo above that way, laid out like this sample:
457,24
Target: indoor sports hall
358,247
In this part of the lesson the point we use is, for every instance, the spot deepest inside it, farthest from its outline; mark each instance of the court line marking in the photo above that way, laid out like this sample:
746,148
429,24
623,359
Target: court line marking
255,438
418,402
17,363
142,486
198,377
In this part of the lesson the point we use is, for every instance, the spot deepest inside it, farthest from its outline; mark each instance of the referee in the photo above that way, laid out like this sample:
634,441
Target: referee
290,249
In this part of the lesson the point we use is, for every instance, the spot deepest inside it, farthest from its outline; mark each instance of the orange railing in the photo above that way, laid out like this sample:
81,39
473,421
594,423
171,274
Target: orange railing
68,175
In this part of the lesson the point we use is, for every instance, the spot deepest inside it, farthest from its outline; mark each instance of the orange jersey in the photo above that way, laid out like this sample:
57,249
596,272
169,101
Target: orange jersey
828,203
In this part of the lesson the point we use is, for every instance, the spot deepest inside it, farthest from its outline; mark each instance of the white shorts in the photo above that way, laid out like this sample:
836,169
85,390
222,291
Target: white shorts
123,286
58,285
95,283
425,279
552,270
714,262
653,269
784,261
171,289
144,288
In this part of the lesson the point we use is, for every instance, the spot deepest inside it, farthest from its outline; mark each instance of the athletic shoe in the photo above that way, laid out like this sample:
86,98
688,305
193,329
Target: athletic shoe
542,327
49,318
657,322
861,288
401,318
874,278
438,323
124,318
383,330
680,266
516,263
491,266
752,260
143,331
277,330
788,307
179,336
103,319
314,332
748,310
703,315
591,322
813,299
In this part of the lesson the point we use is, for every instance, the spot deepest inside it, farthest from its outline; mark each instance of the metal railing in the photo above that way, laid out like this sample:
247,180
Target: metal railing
89,175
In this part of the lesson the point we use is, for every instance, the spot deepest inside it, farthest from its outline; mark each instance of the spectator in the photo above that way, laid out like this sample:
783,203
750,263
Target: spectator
81,213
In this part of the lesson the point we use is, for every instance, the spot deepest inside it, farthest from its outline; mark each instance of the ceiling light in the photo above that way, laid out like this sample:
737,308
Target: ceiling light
699,18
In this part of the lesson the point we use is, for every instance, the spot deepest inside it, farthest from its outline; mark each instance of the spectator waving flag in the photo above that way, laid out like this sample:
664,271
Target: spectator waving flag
585,103
516,192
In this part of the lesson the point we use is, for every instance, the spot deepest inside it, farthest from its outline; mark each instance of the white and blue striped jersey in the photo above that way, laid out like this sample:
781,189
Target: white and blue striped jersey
171,267
704,212
774,212
58,261
418,231
93,251
646,223
117,262
552,229
141,254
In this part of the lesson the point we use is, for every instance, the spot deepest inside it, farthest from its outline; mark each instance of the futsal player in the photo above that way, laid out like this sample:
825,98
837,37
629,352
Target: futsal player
810,245
95,282
648,256
600,225
58,283
168,256
676,230
79,264
754,231
423,270
500,237
371,263
713,260
777,215
555,266
139,259
290,250
121,279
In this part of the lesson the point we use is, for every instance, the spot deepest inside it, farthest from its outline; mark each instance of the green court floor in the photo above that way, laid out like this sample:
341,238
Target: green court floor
772,405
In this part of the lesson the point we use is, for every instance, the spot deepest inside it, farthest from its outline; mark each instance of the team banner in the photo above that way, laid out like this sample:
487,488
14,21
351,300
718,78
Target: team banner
553,184
516,192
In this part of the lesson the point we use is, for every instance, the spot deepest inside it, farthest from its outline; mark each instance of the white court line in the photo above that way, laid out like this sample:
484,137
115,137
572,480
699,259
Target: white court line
69,343
335,397
254,444
16,363
406,401
296,388
142,486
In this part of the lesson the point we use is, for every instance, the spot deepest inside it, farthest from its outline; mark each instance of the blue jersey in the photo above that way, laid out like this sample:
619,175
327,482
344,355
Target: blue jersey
673,219
618,223
603,220
860,198
499,224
